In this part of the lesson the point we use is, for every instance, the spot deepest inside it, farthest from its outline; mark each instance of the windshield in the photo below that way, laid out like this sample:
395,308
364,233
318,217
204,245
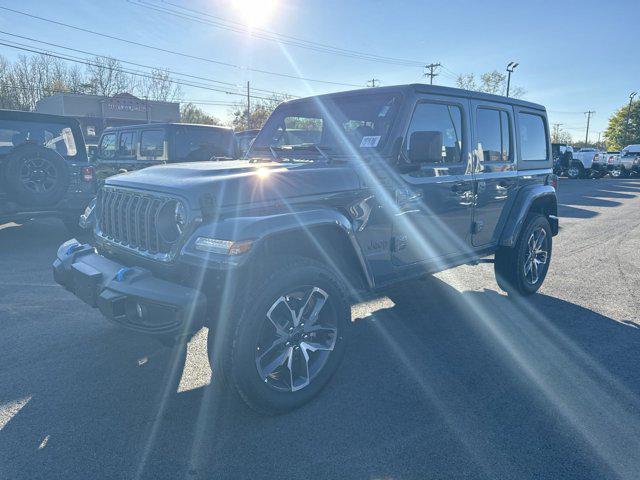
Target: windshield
344,125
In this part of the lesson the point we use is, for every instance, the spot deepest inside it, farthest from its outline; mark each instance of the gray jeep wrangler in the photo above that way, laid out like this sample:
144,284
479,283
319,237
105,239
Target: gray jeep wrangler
383,185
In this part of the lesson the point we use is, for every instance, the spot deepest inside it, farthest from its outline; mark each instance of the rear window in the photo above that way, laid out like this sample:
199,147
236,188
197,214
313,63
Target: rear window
200,144
56,136
533,138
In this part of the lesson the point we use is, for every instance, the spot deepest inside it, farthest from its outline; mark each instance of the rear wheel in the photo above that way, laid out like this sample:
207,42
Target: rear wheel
521,269
289,340
575,171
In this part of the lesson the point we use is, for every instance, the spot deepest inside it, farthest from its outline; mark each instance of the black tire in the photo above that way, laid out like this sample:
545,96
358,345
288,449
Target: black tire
511,262
243,338
575,171
36,175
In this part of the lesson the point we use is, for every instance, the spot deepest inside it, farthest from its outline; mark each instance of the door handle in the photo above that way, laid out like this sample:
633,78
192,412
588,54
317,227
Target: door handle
461,187
505,184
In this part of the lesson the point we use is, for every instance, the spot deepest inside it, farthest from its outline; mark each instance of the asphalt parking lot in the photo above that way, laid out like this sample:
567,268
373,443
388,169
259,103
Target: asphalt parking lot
446,378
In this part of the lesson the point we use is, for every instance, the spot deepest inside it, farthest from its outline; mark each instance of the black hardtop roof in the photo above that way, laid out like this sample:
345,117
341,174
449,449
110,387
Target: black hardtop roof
433,89
37,117
138,126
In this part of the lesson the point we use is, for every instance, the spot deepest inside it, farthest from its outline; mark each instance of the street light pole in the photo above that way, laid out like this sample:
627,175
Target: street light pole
626,128
510,68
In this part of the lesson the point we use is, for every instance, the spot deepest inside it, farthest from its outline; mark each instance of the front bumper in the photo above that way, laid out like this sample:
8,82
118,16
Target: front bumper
131,297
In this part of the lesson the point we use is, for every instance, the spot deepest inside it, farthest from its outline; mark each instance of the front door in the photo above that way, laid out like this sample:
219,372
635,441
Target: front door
495,172
435,195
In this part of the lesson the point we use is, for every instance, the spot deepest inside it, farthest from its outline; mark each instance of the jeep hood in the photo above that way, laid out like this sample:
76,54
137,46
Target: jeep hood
241,182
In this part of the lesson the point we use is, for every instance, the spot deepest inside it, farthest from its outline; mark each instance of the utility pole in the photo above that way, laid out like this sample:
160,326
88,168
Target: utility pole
372,83
588,114
556,131
432,71
599,136
626,128
248,106
510,68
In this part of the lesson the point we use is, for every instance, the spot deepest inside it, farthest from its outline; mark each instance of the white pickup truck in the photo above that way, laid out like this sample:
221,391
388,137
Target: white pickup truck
586,164
630,160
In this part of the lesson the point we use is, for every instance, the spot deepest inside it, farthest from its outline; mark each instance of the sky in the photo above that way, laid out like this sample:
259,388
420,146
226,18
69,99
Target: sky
574,56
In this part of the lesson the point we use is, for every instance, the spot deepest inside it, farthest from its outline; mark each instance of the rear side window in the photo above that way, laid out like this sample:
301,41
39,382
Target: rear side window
533,137
152,143
58,137
107,148
127,147
435,134
494,137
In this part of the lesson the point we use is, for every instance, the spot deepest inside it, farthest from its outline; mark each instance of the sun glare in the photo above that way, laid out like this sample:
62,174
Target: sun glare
256,13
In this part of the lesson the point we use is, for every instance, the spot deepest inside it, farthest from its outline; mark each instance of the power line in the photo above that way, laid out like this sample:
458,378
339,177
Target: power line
130,72
172,72
173,52
237,27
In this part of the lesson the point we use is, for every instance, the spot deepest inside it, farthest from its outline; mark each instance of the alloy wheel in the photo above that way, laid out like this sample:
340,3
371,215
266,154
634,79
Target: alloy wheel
537,255
296,338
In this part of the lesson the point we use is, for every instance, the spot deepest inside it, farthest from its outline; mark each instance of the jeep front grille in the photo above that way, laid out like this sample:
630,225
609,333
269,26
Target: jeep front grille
130,218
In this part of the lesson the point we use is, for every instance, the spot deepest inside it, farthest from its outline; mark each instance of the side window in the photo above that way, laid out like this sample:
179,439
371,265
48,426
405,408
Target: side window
435,134
107,147
533,137
152,143
493,135
126,146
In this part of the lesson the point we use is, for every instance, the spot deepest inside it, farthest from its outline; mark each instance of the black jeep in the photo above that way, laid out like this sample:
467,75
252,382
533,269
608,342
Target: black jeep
140,146
400,182
44,170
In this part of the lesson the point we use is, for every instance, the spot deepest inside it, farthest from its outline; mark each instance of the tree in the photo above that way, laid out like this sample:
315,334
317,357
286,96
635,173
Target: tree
189,113
560,135
159,86
260,111
107,78
493,82
624,127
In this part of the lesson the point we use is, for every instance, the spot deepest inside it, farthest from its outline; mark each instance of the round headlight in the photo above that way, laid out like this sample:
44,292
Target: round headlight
172,219
180,216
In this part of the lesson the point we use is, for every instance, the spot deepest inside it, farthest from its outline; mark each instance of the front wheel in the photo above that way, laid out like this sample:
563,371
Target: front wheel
290,337
521,269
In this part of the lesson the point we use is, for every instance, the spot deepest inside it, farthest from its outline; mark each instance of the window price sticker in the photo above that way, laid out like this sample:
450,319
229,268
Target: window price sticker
370,142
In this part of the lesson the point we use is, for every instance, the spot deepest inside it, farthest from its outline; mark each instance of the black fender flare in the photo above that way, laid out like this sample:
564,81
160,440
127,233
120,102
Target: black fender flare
526,198
260,229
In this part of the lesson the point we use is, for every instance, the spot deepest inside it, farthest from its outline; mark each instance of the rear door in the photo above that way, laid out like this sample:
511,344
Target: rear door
495,173
435,196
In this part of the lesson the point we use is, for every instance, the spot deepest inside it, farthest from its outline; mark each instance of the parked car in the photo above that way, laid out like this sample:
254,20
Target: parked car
139,146
586,164
44,169
270,252
612,161
562,157
244,140
630,160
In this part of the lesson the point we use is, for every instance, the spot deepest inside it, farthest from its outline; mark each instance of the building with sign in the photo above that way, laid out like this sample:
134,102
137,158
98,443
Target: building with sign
96,112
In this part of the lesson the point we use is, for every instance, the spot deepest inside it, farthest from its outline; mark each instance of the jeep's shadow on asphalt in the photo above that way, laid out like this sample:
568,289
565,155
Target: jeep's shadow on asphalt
438,382
576,201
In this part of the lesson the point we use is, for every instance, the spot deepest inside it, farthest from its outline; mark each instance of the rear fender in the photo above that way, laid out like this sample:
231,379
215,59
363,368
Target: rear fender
530,198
